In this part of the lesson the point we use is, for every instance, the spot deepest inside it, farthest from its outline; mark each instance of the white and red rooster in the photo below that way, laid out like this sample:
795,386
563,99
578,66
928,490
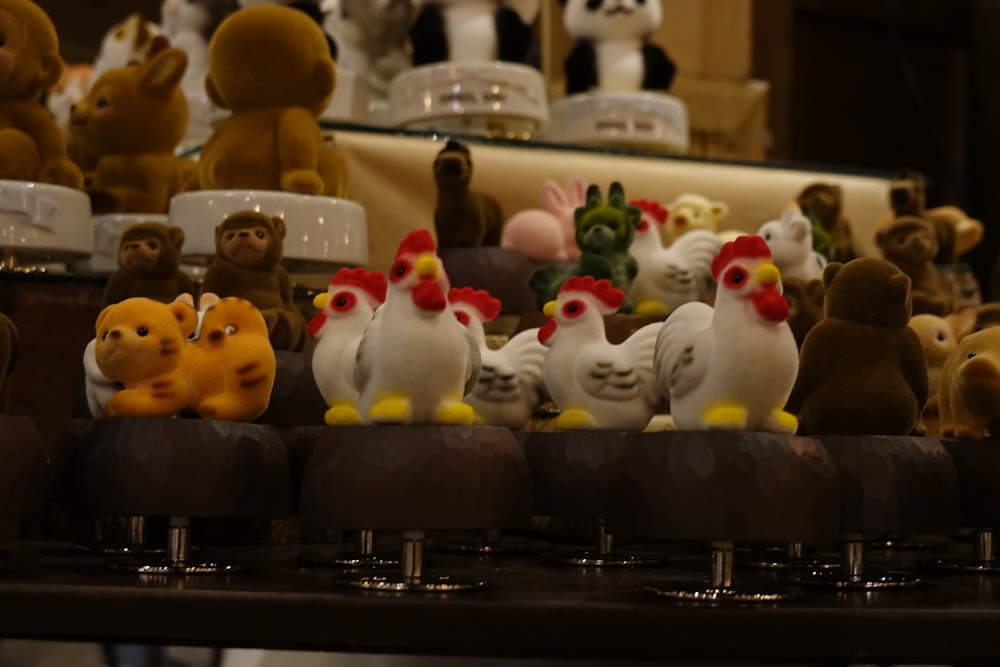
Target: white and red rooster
597,385
734,365
345,310
511,382
672,276
416,361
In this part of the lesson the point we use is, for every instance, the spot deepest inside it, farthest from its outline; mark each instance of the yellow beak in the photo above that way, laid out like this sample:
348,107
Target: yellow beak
427,266
549,309
320,300
767,274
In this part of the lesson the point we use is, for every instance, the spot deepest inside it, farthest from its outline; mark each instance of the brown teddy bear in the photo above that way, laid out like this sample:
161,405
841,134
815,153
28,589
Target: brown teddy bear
133,118
909,242
824,201
149,259
248,248
10,347
271,67
805,305
862,369
32,147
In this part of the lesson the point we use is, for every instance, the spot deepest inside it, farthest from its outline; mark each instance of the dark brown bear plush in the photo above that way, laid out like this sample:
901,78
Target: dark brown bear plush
149,260
463,217
805,305
909,242
824,201
862,369
248,248
10,347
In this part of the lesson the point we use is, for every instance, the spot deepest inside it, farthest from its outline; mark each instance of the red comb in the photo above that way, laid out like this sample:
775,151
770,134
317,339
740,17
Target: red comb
610,296
373,282
479,299
416,242
653,208
748,247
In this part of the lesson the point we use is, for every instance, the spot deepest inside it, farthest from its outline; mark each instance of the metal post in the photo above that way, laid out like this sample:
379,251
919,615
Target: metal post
722,565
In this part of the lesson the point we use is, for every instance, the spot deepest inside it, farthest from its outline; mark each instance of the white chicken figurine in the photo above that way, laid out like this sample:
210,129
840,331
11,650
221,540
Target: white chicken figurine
511,382
416,361
732,366
669,277
345,310
597,385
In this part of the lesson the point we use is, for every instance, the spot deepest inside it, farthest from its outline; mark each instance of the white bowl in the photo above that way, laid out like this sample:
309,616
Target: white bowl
496,99
44,223
640,120
107,230
324,233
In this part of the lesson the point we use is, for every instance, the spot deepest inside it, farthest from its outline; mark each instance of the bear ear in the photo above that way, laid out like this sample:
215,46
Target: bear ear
213,93
815,291
899,286
186,316
50,70
162,74
280,230
324,78
101,317
176,237
719,210
830,272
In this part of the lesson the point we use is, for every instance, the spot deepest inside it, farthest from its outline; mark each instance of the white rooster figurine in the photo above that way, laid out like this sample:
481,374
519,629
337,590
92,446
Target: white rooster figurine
732,366
672,276
511,382
346,309
597,385
416,361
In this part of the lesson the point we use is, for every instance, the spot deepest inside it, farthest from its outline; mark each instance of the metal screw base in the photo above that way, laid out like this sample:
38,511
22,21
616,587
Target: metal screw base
789,558
178,560
982,561
492,544
851,575
604,556
363,557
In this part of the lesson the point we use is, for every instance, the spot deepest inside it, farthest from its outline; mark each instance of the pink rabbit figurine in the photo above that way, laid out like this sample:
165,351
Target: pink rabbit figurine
548,234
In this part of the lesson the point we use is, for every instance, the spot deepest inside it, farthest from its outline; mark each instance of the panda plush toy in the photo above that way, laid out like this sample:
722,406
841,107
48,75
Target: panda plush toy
612,50
473,31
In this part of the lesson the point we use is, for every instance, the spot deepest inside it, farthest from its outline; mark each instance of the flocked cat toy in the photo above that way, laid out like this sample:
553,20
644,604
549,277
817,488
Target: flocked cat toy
604,232
32,148
612,51
149,260
132,119
270,66
472,31
862,369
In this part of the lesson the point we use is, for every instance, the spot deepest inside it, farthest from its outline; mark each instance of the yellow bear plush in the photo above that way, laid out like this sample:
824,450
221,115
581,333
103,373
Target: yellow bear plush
32,147
142,343
270,65
132,119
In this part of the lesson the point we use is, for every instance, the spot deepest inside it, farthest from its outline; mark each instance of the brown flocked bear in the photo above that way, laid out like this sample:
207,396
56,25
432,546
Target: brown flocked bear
909,242
805,305
862,369
248,248
149,260
10,346
824,201
270,65
132,119
32,148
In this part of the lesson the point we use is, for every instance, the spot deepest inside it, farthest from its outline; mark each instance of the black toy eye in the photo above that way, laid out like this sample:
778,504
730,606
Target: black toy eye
104,336
153,245
142,331
971,354
230,330
101,102
594,5
941,337
341,301
260,234
3,41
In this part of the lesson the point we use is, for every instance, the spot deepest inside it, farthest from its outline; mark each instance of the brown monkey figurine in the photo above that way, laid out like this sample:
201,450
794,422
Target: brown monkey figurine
463,218
910,243
248,248
149,260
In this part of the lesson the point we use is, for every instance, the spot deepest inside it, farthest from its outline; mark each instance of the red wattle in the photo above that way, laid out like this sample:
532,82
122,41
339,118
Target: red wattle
315,324
770,304
546,331
429,296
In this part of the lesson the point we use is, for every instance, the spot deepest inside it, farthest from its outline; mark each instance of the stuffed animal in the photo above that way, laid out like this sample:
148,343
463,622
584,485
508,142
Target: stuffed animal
672,276
693,211
862,369
824,202
271,67
805,305
511,383
345,311
473,31
149,260
791,243
731,366
548,233
133,118
127,41
71,88
612,50
604,233
939,337
463,217
248,248
371,38
32,148
909,242
10,349
141,343
416,362
230,365
956,232
969,398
